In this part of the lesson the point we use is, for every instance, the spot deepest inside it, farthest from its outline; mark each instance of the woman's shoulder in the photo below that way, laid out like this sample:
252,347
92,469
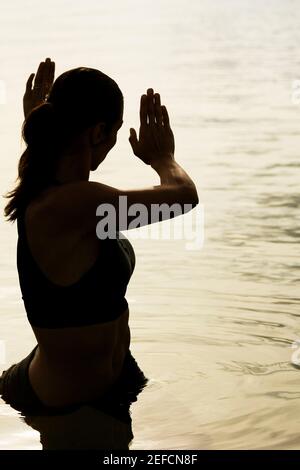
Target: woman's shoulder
47,216
62,250
58,205
71,207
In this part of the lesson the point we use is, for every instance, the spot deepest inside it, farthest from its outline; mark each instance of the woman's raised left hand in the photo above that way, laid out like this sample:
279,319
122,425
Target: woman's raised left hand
36,94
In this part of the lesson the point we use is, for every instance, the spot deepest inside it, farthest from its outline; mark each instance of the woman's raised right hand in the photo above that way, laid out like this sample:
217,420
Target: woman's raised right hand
155,145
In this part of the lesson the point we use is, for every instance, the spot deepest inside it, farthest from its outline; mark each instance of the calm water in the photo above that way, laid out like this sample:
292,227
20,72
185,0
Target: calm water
212,329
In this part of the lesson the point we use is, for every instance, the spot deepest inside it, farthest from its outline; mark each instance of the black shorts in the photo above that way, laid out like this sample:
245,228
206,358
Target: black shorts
16,390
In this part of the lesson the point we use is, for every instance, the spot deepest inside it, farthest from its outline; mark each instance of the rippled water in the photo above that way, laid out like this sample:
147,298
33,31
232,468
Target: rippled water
213,329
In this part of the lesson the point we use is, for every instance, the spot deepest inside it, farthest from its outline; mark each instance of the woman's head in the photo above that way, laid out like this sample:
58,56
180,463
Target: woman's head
83,97
81,100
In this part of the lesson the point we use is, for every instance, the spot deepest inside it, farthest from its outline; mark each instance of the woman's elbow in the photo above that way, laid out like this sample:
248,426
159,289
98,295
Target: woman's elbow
191,196
195,200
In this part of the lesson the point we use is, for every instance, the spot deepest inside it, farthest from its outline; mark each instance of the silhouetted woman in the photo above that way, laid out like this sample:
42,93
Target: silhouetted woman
73,283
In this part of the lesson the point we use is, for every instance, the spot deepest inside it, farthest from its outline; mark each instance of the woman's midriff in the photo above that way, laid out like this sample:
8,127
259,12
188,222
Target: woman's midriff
79,372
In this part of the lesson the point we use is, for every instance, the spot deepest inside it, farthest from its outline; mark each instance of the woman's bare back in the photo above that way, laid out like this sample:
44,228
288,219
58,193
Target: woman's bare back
78,363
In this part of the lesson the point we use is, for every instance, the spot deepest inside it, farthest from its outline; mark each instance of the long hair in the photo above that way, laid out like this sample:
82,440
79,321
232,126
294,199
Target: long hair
79,98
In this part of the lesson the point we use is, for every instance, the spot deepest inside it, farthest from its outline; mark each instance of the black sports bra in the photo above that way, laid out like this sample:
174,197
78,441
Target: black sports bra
97,297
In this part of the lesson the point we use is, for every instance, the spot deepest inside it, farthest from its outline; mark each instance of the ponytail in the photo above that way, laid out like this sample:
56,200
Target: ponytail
38,163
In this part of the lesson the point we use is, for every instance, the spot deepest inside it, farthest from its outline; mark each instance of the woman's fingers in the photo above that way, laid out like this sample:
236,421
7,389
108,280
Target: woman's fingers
143,110
133,136
45,74
52,72
151,110
150,106
29,83
49,72
165,116
39,75
157,108
133,140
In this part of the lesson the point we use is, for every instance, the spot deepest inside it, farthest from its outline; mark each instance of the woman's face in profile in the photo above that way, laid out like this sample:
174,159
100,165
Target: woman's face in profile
106,146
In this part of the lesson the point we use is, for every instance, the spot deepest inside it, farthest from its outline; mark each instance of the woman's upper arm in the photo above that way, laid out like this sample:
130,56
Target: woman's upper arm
84,203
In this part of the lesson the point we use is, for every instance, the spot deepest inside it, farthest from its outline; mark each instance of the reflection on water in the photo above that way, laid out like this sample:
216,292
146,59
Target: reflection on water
85,428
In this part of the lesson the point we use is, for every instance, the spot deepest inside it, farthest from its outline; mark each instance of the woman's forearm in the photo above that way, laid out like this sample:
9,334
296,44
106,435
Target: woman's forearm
171,173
